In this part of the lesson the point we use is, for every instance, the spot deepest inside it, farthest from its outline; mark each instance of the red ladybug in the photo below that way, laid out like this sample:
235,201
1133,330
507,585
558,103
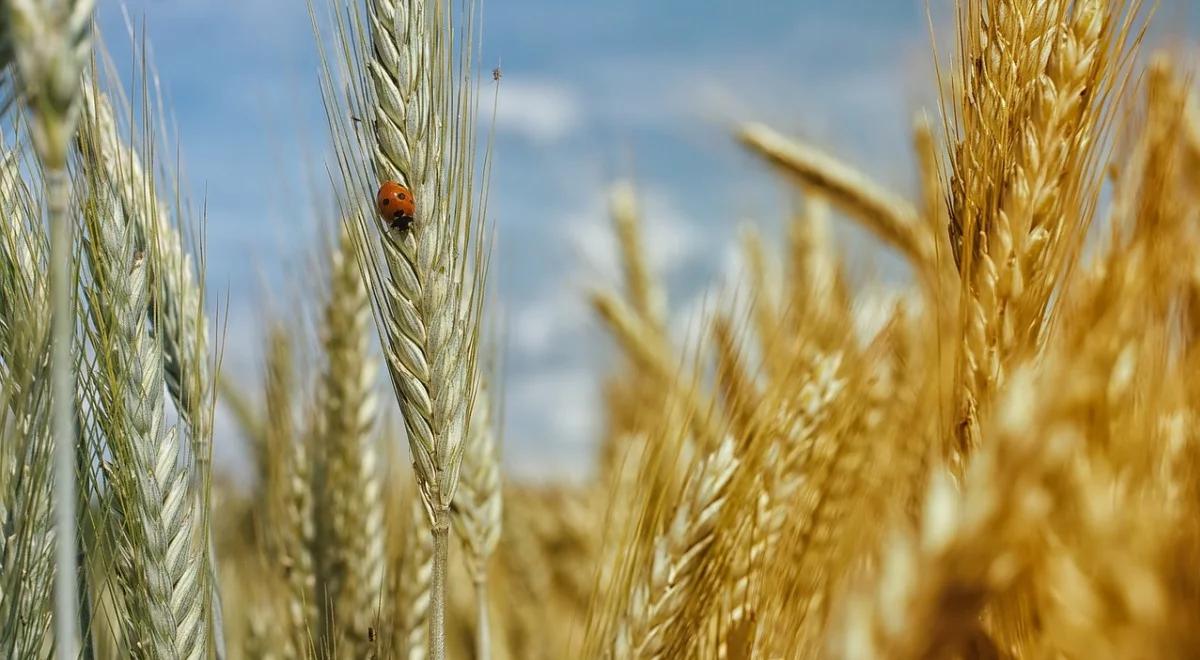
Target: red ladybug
396,205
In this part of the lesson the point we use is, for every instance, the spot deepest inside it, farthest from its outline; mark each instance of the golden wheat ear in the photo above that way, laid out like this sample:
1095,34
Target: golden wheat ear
891,218
1039,84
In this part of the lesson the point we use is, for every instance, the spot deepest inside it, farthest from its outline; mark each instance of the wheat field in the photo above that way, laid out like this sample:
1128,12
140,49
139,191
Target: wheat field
1005,463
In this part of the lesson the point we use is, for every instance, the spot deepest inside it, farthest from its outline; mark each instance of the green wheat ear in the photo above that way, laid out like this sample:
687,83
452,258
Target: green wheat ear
410,66
26,557
48,44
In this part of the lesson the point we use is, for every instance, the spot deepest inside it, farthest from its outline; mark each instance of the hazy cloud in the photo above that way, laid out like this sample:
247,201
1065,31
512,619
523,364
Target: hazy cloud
538,110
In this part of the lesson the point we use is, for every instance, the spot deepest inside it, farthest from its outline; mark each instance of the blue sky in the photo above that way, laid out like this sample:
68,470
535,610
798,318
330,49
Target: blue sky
592,92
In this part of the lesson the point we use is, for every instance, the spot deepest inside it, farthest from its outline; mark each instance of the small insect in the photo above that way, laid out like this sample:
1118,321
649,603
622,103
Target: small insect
396,205
371,634
497,73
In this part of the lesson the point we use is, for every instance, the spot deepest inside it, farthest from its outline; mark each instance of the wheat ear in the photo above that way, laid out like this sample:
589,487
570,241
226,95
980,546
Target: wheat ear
351,484
50,43
178,314
411,66
1040,81
287,468
150,479
412,579
176,311
1004,46
26,546
644,631
478,509
649,351
930,591
891,218
644,291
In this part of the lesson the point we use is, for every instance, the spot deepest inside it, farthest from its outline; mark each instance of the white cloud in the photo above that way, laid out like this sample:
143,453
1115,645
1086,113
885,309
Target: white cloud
560,314
546,322
668,238
538,110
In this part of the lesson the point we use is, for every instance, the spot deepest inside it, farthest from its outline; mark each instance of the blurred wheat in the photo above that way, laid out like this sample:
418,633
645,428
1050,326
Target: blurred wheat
994,458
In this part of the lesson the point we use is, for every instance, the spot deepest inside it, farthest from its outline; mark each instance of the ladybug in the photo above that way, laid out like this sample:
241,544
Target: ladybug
396,205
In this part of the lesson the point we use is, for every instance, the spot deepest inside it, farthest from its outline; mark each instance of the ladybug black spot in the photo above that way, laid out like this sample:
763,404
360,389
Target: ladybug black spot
400,195
386,201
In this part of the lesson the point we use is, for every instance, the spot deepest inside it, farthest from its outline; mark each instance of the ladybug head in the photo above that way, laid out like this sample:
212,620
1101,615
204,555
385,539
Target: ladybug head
401,220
